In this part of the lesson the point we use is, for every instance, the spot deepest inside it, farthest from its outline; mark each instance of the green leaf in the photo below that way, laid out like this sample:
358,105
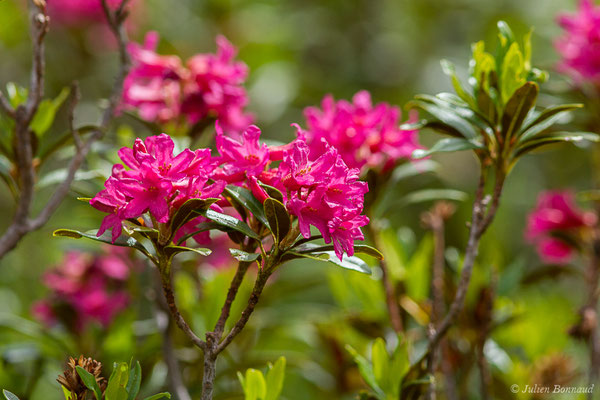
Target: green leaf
46,112
89,381
545,119
505,31
554,137
358,248
272,191
348,262
255,387
517,108
231,222
241,255
450,70
246,199
366,371
188,211
203,227
274,379
447,145
135,380
424,195
381,365
447,116
68,395
163,395
512,74
9,395
172,250
279,219
482,63
115,390
123,240
17,95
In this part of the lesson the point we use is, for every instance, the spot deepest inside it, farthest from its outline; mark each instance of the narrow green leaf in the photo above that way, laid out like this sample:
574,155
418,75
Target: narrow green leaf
447,145
546,119
173,250
89,381
164,395
278,218
123,240
246,199
68,395
381,366
349,262
517,108
554,137
256,387
135,380
446,116
366,371
241,255
231,222
9,395
46,112
274,379
358,248
450,71
424,195
505,31
203,227
115,390
512,75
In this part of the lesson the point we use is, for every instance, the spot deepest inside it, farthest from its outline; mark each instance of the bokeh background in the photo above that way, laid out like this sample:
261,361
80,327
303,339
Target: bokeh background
297,52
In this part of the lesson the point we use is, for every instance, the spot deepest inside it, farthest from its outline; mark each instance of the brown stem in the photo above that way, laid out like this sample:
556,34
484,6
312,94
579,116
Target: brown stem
390,295
22,224
231,295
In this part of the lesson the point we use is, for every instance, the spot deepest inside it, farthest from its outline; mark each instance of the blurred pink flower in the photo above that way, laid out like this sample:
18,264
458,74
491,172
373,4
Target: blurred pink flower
88,288
555,219
209,87
580,44
365,136
78,12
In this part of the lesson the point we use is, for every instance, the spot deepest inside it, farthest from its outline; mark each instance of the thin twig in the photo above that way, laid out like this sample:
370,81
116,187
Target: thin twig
231,295
6,107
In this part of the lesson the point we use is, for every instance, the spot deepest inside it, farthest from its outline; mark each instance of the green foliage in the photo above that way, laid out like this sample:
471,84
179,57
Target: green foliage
257,386
495,114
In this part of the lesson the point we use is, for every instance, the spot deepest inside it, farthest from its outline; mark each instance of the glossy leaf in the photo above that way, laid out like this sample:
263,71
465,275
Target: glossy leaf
123,240
358,248
246,199
447,145
446,116
188,211
241,255
231,222
89,381
450,70
173,250
203,227
517,108
9,395
272,191
546,119
554,137
278,218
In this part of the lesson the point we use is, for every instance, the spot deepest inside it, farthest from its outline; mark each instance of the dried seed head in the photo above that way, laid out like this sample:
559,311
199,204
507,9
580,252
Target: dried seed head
73,383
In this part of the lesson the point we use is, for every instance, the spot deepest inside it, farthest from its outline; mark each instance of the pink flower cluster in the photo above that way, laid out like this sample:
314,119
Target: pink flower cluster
156,182
78,12
323,192
580,45
366,136
86,289
555,223
161,89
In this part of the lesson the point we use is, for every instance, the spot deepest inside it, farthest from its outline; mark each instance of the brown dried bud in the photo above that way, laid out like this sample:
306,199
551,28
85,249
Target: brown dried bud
72,381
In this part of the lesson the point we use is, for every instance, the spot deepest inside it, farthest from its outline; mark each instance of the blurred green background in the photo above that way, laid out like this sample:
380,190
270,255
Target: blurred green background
297,52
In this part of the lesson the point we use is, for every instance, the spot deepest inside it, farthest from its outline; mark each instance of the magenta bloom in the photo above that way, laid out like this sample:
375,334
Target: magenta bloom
554,220
156,182
365,136
78,12
326,194
86,289
580,44
214,88
153,85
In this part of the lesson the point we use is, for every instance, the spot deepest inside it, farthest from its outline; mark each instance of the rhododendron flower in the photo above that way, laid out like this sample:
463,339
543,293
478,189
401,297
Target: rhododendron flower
580,45
214,88
209,87
153,85
157,182
554,219
90,287
326,194
365,136
78,12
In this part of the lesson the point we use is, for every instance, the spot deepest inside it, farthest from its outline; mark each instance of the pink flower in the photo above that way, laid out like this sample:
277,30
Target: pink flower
580,45
214,88
78,12
326,194
241,159
554,219
365,136
153,85
90,288
157,182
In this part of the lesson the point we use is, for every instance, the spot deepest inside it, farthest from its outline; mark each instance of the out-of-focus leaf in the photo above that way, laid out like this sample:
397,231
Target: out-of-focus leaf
46,112
274,379
447,145
424,195
482,63
255,386
17,95
278,218
164,395
418,271
135,380
115,390
546,119
512,74
366,371
246,199
450,70
554,137
381,366
517,108
89,381
9,395
447,116
57,176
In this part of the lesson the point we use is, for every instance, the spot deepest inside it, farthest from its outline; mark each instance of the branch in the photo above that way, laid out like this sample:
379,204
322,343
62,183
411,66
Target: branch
231,294
6,107
21,224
